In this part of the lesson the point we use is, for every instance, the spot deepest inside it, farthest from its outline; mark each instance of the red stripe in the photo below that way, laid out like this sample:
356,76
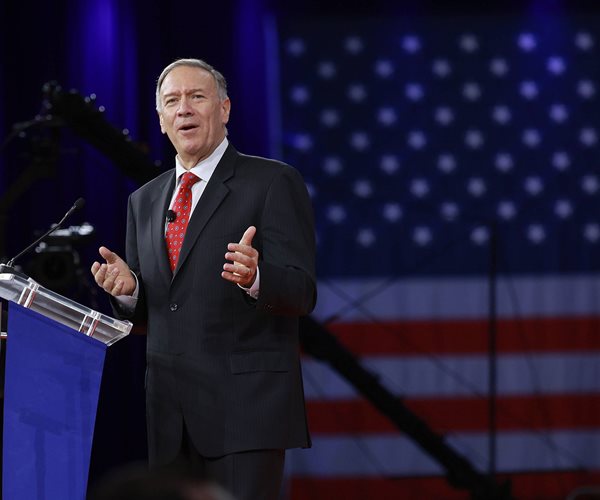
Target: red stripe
526,486
467,337
461,414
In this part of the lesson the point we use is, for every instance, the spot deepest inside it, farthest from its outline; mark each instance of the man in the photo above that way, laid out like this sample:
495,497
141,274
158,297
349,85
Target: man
224,393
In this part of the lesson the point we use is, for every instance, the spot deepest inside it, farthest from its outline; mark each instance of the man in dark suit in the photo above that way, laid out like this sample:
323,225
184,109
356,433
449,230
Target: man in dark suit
224,390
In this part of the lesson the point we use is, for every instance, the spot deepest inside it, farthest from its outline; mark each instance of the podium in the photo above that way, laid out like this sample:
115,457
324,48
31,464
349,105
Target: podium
55,354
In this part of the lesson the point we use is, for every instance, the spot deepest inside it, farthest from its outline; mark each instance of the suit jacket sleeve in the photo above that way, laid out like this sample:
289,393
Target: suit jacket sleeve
287,259
132,258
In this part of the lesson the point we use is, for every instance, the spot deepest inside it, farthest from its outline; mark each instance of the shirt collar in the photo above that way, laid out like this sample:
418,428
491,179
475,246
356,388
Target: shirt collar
204,168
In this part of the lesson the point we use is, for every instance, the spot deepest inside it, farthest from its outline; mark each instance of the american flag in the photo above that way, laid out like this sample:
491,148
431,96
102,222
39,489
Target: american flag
444,155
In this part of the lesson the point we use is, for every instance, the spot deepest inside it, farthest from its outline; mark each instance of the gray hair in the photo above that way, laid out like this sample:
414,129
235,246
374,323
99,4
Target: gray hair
195,63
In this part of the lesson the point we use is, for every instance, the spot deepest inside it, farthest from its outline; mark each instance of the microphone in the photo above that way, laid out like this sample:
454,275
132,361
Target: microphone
171,216
8,267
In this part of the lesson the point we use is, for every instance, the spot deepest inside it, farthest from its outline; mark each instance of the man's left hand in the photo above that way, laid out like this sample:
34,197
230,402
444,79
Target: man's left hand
245,260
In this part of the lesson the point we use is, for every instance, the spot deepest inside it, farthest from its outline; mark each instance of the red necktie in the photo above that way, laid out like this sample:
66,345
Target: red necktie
182,208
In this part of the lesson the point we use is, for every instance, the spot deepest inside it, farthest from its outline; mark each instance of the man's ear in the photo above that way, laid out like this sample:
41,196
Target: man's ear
225,109
161,121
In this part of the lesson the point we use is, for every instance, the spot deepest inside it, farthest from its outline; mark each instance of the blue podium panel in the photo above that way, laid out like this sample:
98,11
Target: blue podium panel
52,383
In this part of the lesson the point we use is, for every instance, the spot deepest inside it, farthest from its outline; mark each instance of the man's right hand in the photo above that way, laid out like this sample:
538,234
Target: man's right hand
114,276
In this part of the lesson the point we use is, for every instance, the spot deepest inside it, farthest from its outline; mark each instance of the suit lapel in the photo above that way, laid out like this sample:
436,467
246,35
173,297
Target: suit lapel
160,205
213,195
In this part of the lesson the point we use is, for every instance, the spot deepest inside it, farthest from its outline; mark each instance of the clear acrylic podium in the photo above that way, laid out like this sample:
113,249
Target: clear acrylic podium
55,354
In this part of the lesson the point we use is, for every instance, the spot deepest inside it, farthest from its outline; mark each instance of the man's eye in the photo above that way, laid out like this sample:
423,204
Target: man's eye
170,101
198,96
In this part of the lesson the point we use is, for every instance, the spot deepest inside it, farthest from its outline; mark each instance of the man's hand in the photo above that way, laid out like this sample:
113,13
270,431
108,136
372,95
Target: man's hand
114,276
245,260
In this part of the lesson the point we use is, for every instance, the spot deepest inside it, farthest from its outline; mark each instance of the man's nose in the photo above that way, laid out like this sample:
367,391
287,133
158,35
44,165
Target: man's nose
184,106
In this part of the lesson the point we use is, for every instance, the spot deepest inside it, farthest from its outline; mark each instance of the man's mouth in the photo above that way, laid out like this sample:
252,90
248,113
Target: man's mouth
185,128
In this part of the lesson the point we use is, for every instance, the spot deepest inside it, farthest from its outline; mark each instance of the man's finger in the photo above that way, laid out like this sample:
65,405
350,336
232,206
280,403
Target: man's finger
108,256
248,236
100,274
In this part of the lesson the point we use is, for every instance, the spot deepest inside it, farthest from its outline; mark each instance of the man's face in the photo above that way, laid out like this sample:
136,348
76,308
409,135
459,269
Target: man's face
192,114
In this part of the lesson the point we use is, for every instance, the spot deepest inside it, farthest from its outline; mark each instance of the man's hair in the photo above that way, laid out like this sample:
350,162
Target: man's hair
194,63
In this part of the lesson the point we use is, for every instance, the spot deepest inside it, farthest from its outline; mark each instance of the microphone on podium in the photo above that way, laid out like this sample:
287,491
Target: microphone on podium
8,267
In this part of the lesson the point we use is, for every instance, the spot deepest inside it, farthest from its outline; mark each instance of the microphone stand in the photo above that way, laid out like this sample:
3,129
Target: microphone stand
8,267
492,345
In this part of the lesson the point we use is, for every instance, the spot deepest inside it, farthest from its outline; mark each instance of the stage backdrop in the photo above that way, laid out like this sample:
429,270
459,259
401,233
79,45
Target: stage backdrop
444,155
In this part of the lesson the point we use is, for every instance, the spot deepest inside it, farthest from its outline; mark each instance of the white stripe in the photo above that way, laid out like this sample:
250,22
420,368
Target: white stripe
386,299
448,376
391,455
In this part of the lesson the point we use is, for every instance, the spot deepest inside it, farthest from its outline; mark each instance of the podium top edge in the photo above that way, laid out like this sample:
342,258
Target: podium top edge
31,295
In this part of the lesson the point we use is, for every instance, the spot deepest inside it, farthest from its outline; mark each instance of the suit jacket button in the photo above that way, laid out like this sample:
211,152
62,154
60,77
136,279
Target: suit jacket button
173,307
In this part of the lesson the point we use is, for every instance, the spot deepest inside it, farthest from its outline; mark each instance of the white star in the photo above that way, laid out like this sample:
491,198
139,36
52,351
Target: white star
389,164
468,43
536,233
559,113
474,139
480,235
556,65
529,90
416,139
590,184
357,92
365,237
332,165
531,137
330,117
363,188
501,114
586,89
326,70
444,115
471,91
419,187
499,67
384,68
588,136
387,116
561,161
411,44
441,68
360,141
591,232
563,209
336,213
422,235
353,45
446,163
299,94
584,41
303,142
533,185
527,42
476,187
295,47
392,212
414,91
507,210
449,210
504,162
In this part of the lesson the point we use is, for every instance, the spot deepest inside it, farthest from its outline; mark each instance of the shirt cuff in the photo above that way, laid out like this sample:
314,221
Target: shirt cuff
255,288
127,303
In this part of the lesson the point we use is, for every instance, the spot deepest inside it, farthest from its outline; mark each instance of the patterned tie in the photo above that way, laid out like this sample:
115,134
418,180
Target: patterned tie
182,208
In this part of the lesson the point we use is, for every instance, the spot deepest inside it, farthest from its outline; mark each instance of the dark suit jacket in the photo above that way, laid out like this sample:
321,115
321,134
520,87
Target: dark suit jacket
222,362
